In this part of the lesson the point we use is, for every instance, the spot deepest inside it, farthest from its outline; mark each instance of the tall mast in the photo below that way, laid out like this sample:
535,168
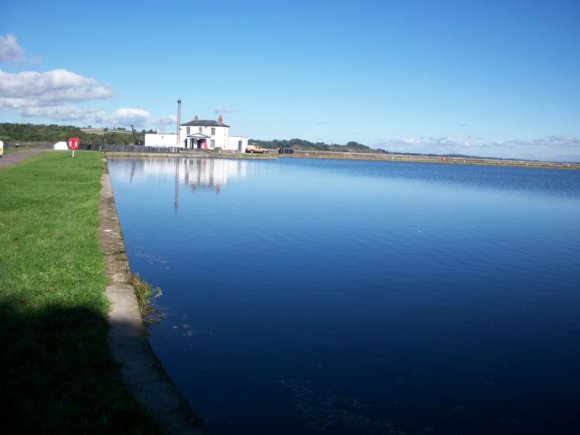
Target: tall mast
178,122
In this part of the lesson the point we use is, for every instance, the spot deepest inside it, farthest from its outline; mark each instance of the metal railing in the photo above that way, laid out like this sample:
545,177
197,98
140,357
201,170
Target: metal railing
130,148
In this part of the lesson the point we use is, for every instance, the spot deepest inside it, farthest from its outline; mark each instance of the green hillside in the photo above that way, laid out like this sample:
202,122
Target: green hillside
304,145
12,133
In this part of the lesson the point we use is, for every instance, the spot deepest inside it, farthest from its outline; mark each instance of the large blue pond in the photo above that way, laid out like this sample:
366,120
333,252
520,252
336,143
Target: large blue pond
341,297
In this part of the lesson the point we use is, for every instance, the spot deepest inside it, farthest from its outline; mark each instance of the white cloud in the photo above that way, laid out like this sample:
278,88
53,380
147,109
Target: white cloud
64,113
555,148
164,120
129,116
32,89
561,141
58,95
119,117
10,51
429,145
224,109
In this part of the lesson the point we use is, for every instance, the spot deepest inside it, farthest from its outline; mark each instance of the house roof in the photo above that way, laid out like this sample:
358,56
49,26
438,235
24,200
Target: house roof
203,123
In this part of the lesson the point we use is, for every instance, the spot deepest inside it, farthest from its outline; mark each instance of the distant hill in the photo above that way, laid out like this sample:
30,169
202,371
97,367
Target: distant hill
103,131
44,133
304,145
12,133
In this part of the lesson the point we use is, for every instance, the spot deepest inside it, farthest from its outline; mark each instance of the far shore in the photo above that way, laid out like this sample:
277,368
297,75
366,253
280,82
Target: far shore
386,157
273,154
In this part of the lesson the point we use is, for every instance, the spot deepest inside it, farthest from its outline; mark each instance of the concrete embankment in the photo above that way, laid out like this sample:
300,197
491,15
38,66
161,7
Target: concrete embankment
429,159
141,371
360,156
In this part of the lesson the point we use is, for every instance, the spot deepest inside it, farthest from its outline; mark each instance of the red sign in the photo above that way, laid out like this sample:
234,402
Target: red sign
72,143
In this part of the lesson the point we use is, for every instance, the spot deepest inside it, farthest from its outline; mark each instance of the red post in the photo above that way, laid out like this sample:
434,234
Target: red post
73,144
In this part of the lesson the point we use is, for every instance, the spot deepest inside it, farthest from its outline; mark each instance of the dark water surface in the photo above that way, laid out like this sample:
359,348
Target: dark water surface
341,297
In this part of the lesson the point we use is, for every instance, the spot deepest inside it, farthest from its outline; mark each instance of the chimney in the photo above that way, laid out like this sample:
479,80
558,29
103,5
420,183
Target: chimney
195,118
220,119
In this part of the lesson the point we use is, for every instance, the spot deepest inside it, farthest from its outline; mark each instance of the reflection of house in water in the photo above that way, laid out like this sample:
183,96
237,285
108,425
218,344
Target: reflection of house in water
197,173
194,172
211,172
206,174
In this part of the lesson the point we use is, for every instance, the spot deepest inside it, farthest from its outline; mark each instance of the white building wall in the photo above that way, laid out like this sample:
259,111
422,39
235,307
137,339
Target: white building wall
221,139
238,143
220,136
160,140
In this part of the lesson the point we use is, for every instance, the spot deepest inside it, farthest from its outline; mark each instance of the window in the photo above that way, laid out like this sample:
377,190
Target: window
187,130
213,131
200,129
212,143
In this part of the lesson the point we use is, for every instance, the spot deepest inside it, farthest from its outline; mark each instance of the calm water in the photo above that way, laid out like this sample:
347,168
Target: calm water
339,297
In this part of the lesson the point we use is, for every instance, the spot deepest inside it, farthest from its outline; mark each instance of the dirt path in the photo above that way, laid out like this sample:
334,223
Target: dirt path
10,159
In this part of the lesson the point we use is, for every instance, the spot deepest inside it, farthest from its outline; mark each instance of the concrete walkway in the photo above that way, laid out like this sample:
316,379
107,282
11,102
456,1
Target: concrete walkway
141,371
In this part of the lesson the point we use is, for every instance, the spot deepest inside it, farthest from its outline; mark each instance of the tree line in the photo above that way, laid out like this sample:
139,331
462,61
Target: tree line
12,133
304,145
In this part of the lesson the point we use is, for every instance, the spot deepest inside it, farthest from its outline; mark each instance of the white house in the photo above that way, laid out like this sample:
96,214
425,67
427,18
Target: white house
200,134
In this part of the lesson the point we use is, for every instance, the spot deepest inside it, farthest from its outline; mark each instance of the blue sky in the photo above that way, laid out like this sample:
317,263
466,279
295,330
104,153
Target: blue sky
494,78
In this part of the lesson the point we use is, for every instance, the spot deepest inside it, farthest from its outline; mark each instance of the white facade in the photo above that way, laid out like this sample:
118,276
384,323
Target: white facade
204,136
238,143
200,134
160,140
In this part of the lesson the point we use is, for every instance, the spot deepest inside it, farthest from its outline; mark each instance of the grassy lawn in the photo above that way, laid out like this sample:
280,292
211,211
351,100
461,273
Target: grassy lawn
57,375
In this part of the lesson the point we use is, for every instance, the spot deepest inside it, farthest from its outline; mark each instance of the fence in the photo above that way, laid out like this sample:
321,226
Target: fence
130,148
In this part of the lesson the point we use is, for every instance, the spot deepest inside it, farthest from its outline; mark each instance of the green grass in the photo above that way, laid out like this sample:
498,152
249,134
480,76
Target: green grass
57,374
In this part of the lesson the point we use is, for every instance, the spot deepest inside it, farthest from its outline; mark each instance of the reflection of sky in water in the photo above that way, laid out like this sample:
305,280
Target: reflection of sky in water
355,297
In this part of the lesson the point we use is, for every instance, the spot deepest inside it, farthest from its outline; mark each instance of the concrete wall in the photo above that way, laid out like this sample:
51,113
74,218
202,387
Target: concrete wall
160,140
238,143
